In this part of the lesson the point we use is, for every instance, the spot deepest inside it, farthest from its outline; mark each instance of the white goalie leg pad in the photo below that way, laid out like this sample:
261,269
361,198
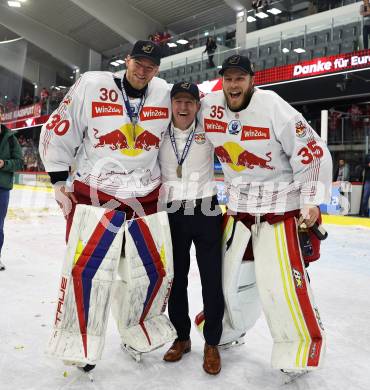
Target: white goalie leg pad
146,275
239,284
287,299
90,267
242,307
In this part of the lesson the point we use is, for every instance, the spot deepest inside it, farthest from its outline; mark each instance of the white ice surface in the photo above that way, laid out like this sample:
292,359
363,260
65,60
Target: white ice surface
33,253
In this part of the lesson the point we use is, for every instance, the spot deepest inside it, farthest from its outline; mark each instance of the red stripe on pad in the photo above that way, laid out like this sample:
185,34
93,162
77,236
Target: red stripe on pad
79,268
302,293
158,266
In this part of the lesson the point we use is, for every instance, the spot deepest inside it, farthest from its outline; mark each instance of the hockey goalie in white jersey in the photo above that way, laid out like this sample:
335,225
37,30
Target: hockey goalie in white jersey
277,171
109,127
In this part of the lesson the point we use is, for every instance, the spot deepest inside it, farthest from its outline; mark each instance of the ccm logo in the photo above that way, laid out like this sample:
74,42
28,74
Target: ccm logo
250,133
106,109
62,290
149,113
213,126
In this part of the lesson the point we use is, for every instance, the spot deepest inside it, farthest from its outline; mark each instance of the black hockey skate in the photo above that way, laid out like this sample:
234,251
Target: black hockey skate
87,370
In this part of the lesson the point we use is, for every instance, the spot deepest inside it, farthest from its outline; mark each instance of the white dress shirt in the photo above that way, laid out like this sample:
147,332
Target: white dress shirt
197,179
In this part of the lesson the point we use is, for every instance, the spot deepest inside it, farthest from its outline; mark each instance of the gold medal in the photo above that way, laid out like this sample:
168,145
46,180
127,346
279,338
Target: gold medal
179,171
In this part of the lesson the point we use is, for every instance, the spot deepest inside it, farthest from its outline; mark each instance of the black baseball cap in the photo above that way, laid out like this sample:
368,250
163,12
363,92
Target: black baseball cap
186,87
147,49
239,62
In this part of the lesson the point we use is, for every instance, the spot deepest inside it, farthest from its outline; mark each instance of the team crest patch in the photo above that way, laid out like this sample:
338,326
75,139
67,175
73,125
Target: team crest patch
200,138
300,129
185,85
234,60
234,127
67,100
147,49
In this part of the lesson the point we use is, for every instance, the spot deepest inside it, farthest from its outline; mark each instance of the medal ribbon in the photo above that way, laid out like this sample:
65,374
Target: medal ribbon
187,145
133,119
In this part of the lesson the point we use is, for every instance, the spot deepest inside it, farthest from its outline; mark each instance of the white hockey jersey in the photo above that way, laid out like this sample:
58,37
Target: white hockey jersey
272,159
92,125
197,179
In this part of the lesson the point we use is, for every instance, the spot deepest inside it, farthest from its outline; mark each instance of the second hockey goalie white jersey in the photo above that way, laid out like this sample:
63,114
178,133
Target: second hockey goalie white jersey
92,125
272,159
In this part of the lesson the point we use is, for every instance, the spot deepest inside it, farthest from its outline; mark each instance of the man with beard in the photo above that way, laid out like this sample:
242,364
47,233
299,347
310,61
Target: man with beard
277,171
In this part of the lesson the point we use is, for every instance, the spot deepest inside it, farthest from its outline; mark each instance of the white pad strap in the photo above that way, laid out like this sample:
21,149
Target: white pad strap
90,266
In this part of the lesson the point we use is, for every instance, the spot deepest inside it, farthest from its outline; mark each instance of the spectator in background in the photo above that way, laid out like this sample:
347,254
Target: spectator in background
27,101
10,161
365,12
342,173
355,114
166,36
364,210
44,99
211,47
44,94
157,37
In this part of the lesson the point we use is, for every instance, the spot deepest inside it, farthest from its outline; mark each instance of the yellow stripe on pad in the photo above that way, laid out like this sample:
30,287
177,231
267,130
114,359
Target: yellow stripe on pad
162,255
306,339
283,278
227,230
79,249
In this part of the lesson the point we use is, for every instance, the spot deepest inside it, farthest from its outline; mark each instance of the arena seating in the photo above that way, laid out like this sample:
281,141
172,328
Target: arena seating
340,39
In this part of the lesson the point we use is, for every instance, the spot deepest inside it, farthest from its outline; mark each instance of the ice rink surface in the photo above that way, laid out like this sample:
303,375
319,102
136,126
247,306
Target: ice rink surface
33,253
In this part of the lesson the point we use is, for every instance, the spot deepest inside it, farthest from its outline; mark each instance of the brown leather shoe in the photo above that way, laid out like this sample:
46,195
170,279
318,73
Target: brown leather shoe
211,360
178,348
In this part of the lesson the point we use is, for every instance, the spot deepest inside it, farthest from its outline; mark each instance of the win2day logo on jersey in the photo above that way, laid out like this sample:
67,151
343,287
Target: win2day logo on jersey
234,127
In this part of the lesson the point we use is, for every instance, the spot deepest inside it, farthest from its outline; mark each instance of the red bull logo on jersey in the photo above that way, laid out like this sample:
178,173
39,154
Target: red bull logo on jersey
251,160
223,155
106,109
251,133
238,159
114,139
214,126
124,140
146,140
150,113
